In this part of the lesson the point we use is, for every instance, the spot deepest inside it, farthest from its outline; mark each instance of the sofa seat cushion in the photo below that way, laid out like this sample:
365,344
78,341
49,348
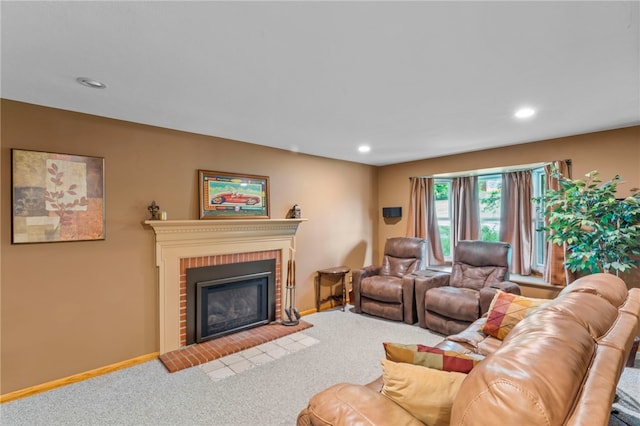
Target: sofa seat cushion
457,303
472,340
472,335
382,288
426,393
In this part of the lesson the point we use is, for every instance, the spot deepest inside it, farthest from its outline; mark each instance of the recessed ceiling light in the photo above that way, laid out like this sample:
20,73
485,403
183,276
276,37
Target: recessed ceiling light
525,112
364,148
89,82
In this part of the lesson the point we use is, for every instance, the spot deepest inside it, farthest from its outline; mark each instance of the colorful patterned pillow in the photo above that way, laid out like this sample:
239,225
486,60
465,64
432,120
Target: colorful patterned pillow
427,356
506,310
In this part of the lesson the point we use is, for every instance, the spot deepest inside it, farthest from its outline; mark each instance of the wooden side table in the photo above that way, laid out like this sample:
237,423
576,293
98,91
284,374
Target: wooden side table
338,271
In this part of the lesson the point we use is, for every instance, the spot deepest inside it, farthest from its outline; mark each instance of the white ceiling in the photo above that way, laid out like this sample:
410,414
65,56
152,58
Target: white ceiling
413,80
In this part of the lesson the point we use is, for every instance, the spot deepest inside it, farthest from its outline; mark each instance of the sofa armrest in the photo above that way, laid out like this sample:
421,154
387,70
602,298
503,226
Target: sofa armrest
489,292
422,283
356,278
350,404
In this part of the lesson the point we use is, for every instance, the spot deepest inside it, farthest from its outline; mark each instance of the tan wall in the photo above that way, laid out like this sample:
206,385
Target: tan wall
71,307
611,152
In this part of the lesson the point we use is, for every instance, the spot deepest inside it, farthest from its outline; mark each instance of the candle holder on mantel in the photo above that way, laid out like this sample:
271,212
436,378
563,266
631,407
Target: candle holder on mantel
294,212
153,209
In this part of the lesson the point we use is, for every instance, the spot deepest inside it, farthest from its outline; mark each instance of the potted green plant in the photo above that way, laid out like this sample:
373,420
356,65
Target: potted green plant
601,233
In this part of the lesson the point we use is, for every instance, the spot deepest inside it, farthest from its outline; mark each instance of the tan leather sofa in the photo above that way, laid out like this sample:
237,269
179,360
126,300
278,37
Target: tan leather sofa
558,366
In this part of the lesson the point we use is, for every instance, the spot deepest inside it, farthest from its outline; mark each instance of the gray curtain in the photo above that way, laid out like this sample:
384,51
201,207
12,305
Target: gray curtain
422,221
516,220
465,210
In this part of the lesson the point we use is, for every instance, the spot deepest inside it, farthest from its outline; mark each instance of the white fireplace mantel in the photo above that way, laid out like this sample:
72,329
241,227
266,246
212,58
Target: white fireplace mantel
178,239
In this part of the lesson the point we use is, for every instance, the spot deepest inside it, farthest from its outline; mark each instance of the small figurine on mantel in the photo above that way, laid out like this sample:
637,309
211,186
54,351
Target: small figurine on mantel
294,212
153,209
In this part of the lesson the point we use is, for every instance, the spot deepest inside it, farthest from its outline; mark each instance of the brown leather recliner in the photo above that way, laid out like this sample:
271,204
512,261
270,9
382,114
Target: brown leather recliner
449,303
388,291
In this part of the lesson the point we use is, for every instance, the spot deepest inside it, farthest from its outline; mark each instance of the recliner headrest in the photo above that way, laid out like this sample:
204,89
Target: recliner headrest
483,253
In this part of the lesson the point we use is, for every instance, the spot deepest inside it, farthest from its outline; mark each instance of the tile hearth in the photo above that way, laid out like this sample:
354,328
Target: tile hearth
231,365
202,353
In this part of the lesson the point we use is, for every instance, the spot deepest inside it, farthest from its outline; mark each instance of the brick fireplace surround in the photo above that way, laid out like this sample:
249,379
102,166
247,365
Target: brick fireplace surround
183,244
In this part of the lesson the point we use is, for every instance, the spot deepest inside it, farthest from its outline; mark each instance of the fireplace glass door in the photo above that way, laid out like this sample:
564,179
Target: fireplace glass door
230,305
224,299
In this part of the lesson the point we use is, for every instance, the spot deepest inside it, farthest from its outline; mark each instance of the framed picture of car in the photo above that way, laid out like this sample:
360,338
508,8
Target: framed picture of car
233,196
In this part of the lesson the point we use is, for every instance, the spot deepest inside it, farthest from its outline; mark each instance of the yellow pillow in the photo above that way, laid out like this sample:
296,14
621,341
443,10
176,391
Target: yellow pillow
506,310
426,393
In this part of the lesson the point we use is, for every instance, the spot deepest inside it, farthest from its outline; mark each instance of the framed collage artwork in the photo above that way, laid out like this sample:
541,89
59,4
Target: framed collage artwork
56,197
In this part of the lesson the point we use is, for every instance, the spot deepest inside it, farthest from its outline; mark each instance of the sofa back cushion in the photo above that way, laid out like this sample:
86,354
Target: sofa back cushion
599,284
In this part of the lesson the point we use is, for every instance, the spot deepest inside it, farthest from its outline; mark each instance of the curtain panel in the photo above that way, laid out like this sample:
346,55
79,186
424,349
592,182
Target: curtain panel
422,221
465,210
516,221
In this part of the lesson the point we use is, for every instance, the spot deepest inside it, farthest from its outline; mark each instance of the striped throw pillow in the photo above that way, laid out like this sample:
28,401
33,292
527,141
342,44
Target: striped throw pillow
428,356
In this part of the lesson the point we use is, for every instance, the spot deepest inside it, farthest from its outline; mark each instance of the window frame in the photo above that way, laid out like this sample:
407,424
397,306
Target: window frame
539,185
444,220
490,220
539,240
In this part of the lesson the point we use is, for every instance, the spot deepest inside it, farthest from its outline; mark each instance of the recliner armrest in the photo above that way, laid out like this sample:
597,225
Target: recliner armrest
356,278
409,299
508,286
368,271
423,283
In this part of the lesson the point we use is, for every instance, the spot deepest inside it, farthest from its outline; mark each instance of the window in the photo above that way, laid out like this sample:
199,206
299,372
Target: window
442,190
489,196
539,179
489,199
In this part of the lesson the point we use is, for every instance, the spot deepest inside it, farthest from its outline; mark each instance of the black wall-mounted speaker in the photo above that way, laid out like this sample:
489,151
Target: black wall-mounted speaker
392,212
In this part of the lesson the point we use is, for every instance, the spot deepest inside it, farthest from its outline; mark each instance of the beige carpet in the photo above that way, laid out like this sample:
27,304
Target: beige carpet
349,350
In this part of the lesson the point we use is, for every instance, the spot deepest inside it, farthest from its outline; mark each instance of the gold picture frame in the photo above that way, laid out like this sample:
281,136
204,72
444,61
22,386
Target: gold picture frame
233,196
56,197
